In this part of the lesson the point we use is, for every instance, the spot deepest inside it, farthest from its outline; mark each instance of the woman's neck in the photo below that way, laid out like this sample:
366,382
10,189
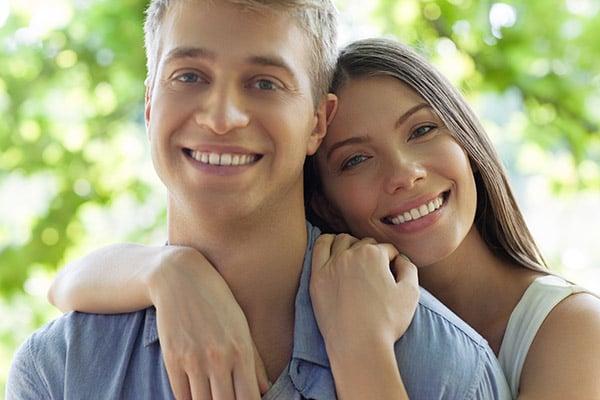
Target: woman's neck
479,286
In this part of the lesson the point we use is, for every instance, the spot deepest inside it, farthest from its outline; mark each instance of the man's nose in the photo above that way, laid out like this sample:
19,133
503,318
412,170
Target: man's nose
403,173
222,110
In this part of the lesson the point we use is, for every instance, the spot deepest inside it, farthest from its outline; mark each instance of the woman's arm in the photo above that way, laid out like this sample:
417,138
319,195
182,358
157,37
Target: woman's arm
564,358
116,278
186,290
362,308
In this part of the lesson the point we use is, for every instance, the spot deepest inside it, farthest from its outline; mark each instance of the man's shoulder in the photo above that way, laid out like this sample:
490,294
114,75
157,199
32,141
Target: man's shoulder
85,333
439,341
64,348
430,308
87,326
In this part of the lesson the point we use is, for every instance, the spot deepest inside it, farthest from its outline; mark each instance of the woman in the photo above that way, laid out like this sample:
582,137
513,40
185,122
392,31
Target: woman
406,162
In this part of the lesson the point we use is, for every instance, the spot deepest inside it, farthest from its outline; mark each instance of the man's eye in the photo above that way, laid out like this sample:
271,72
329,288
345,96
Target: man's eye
265,84
353,161
422,131
188,77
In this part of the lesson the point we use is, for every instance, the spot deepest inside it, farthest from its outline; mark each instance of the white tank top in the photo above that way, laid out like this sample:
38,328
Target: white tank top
537,302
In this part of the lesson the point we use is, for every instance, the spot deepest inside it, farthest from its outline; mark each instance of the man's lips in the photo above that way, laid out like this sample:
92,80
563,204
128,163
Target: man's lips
225,159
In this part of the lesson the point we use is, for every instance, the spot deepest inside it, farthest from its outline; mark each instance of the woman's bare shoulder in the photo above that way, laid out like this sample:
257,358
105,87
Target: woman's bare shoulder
564,357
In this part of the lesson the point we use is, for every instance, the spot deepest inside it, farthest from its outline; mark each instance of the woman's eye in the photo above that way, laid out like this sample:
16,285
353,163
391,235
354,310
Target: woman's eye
353,161
265,84
422,131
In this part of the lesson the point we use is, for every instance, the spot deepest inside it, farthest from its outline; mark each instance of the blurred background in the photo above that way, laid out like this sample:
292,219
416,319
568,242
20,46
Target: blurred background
75,171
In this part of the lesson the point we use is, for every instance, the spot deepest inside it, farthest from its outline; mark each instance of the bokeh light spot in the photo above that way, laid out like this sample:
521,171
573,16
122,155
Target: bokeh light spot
432,11
501,16
50,236
66,59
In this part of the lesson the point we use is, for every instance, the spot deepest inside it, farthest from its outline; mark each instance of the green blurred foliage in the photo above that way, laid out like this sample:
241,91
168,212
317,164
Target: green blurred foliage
71,100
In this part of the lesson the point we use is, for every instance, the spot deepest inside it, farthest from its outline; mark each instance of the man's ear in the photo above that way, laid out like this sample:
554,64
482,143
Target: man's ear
147,107
325,211
331,108
323,114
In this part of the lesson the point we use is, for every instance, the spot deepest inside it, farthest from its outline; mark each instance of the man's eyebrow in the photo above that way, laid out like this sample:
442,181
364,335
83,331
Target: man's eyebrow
346,142
272,61
188,52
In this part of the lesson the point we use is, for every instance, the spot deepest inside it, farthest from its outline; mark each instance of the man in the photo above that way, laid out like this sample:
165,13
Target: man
232,110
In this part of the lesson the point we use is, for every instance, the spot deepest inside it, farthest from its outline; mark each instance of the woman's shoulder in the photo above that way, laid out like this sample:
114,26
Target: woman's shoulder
566,347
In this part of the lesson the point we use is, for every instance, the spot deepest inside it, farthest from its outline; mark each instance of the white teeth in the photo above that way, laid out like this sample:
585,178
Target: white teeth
431,206
225,159
417,212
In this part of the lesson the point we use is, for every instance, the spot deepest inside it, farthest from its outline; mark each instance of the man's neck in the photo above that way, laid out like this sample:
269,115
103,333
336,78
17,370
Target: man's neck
261,260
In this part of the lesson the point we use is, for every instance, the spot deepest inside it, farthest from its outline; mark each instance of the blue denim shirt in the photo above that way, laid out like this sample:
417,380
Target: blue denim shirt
90,356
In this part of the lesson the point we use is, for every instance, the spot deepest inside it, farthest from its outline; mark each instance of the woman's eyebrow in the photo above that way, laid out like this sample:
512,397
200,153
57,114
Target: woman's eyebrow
345,142
410,112
365,138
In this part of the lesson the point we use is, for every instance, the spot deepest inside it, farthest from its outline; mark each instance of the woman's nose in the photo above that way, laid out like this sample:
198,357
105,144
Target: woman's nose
403,173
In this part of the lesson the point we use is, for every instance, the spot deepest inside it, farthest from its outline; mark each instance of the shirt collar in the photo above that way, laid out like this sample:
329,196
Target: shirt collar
308,342
309,368
150,330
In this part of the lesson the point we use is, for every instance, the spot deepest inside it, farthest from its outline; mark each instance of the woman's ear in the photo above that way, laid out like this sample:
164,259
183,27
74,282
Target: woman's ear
326,212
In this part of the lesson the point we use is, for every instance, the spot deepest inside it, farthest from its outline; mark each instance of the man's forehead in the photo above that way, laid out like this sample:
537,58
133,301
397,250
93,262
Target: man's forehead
195,29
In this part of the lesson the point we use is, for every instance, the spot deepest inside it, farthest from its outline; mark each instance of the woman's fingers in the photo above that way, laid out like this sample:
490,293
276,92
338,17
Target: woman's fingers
322,251
244,382
404,270
179,381
221,386
389,250
260,371
341,243
200,387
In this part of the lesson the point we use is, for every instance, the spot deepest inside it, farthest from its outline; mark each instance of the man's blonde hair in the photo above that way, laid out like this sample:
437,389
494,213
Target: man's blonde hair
318,18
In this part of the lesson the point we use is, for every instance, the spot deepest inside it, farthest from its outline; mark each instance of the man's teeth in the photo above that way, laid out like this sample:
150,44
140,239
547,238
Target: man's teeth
418,212
225,159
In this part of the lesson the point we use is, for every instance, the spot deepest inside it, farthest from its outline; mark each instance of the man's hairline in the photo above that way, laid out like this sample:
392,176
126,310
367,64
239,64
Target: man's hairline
158,46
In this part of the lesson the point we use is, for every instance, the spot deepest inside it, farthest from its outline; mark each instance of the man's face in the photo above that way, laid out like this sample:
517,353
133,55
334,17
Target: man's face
230,113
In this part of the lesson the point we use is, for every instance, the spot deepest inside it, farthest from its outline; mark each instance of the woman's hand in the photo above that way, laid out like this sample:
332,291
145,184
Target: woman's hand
363,305
362,289
204,335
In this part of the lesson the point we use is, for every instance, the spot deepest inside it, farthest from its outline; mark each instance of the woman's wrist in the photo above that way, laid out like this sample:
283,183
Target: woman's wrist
366,368
351,343
167,260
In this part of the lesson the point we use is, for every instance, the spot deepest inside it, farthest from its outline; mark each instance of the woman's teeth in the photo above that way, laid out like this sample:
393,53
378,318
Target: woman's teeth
225,159
418,212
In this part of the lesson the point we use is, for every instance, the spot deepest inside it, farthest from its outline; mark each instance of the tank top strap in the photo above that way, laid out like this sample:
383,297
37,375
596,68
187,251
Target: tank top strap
537,302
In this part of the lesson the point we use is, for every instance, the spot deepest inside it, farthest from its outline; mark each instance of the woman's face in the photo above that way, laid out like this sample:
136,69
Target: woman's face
392,171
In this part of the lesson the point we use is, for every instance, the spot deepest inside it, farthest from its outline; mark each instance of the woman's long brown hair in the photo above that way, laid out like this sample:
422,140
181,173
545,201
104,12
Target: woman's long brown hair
497,216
